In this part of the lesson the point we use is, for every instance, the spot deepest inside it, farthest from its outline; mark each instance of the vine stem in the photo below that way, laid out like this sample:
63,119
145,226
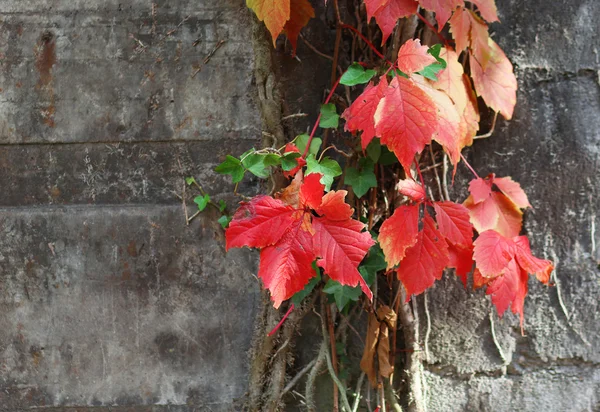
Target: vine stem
282,320
314,129
469,166
367,41
433,29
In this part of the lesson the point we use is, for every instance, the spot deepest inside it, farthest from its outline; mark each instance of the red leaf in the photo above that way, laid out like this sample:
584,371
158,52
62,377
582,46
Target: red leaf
398,233
341,246
300,13
388,13
461,259
492,253
442,9
450,80
311,191
406,119
512,190
469,30
453,222
495,81
286,267
481,189
334,206
291,148
469,122
539,267
496,213
412,190
510,288
259,223
412,57
275,13
487,9
425,261
359,116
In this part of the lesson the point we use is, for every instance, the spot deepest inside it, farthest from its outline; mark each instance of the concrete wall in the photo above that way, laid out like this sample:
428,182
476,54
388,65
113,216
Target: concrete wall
107,298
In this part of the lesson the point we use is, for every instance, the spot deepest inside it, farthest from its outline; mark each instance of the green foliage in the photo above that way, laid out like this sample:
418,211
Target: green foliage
302,140
356,74
299,297
232,166
361,179
329,168
329,117
432,70
202,201
342,294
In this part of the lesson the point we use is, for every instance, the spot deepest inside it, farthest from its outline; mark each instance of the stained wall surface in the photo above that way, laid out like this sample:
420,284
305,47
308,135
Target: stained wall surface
107,297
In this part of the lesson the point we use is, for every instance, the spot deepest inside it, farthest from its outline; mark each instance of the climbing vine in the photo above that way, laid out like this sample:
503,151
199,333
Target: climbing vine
380,228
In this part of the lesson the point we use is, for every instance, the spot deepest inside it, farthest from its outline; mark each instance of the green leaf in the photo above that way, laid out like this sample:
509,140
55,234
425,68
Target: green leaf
372,264
341,293
374,150
387,158
222,205
224,221
299,296
302,140
231,166
329,168
272,159
329,117
356,74
360,180
397,72
432,70
255,164
202,201
190,180
290,161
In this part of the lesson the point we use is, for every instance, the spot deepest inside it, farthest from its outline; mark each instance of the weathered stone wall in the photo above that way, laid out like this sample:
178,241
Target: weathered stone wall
107,298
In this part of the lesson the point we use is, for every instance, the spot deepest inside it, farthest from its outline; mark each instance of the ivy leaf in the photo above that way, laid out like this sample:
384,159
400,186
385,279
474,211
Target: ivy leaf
412,57
329,117
222,205
224,221
342,294
356,74
190,180
329,168
258,163
301,12
431,71
372,264
374,150
302,140
406,119
289,161
387,157
299,296
425,261
275,13
202,201
232,166
360,180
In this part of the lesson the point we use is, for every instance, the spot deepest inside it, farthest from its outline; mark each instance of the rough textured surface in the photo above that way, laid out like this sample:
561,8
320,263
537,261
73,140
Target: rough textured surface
552,147
108,299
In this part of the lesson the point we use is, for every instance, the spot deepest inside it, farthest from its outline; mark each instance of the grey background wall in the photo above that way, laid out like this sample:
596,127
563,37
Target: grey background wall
108,299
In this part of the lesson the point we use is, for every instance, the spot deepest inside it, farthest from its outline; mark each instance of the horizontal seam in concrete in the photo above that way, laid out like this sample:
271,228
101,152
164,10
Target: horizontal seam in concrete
124,142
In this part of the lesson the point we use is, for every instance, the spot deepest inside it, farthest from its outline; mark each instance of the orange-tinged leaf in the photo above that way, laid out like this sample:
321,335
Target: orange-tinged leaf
487,9
259,223
286,267
367,362
412,57
460,27
492,253
387,15
334,206
301,162
481,189
406,120
360,115
479,280
469,30
512,190
469,121
340,247
275,13
398,233
450,80
442,9
388,318
496,83
412,190
291,194
539,267
453,222
300,13
425,261
505,289
496,213
374,5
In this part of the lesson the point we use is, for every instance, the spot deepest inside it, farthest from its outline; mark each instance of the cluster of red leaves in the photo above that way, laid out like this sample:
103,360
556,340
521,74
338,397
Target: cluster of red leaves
298,227
420,244
409,112
288,16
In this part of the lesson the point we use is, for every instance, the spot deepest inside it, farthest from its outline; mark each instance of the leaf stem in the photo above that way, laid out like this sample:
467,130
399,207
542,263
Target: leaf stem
371,46
469,166
282,320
